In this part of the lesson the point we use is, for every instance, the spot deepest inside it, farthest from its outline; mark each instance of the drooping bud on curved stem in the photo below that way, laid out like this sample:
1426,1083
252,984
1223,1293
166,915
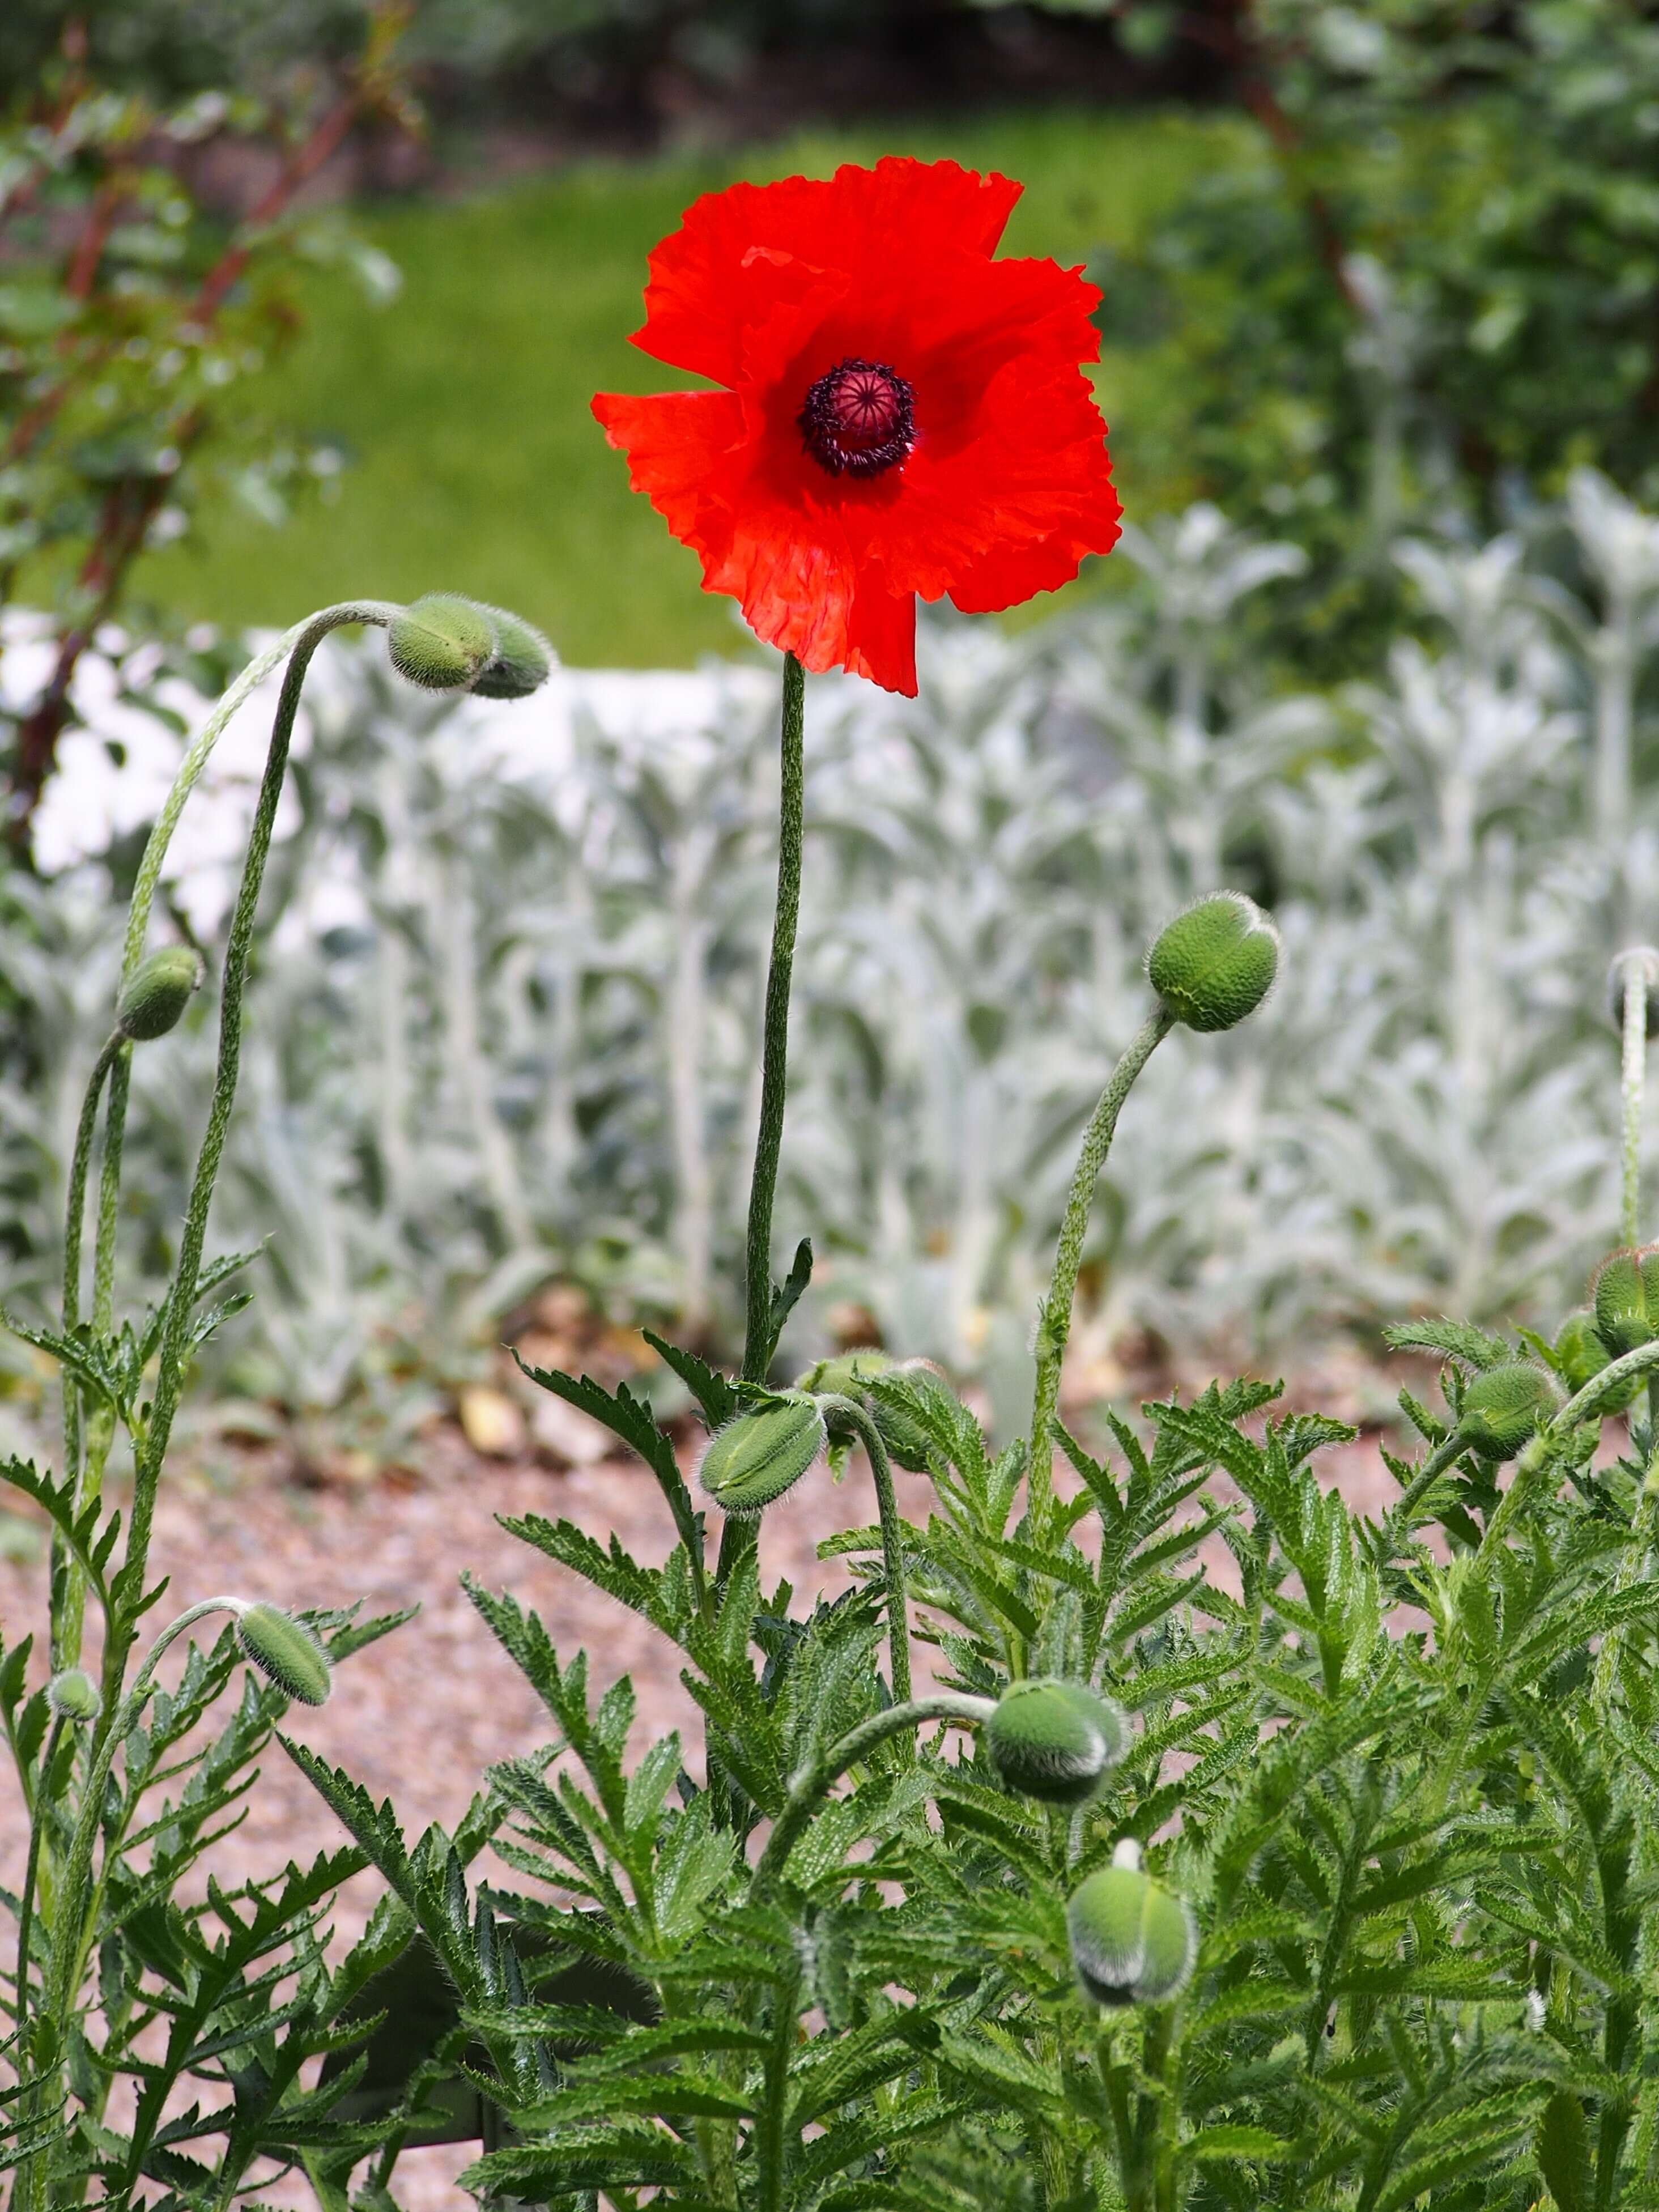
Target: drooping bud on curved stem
1055,1316
762,1452
1133,1941
1632,981
810,1784
848,1413
157,993
1055,1741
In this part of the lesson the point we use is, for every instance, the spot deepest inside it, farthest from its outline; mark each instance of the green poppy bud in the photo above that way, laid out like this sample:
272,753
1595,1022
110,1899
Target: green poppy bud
762,1453
1580,1355
1215,963
159,991
1624,1298
1641,961
74,1696
1504,1406
845,1376
286,1650
442,642
1055,1740
848,1375
1133,1941
521,663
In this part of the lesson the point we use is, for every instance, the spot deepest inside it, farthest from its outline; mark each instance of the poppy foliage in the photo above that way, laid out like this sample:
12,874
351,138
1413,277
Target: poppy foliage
900,414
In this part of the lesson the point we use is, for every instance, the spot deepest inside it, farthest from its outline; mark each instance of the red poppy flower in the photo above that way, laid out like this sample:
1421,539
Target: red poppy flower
902,415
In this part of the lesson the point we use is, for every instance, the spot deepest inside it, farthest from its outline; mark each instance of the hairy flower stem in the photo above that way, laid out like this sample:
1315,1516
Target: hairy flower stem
1634,1068
1055,1319
75,1913
858,1418
738,1539
75,1211
26,1902
810,1784
1645,1527
757,1334
175,1341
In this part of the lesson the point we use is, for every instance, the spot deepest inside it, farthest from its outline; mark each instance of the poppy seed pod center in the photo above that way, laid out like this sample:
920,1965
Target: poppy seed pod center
859,419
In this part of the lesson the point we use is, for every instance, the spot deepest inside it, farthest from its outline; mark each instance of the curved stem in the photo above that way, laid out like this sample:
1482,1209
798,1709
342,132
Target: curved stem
1607,1384
810,1784
858,1418
26,1902
774,1050
169,1381
109,1189
1054,1321
1444,1455
1633,1069
63,1578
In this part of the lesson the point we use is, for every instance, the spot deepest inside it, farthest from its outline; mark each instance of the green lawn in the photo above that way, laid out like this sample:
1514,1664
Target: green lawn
463,406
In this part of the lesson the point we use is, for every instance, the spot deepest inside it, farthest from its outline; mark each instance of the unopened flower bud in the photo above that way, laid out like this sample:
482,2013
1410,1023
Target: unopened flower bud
1640,963
1624,1298
1133,1941
1055,1740
159,991
287,1651
848,1375
443,642
1215,963
1504,1406
521,663
762,1453
74,1696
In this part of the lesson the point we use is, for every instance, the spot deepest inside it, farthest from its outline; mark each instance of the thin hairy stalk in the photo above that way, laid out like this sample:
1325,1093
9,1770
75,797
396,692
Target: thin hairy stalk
770,2160
810,1784
1607,1384
1633,1566
147,880
73,1924
64,1578
170,1373
109,1189
69,1613
858,1418
1634,1058
774,1049
1054,1322
1444,1453
32,1868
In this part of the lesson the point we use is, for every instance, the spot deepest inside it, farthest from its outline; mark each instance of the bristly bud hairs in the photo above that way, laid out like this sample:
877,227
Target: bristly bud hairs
1504,1407
1214,964
1133,1941
447,643
763,1452
1624,1298
1055,1740
160,988
75,1696
287,1651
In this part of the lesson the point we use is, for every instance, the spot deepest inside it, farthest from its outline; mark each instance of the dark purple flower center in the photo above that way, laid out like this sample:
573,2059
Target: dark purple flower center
859,419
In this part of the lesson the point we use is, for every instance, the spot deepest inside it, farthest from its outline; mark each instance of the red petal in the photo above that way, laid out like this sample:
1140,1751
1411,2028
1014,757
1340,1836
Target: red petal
741,253
791,568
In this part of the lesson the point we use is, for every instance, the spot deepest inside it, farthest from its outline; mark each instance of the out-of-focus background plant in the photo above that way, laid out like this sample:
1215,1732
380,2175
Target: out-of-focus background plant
294,295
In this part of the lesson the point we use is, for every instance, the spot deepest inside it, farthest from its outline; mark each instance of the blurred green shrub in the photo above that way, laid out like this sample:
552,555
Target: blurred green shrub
133,318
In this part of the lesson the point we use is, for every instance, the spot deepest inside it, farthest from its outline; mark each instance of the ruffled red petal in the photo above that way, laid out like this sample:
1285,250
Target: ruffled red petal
739,254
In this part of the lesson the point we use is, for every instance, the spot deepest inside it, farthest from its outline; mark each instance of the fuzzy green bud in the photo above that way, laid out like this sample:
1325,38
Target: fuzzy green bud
443,642
762,1453
1624,1299
74,1696
1133,1941
1215,963
287,1651
1055,1740
521,663
161,990
1504,1406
